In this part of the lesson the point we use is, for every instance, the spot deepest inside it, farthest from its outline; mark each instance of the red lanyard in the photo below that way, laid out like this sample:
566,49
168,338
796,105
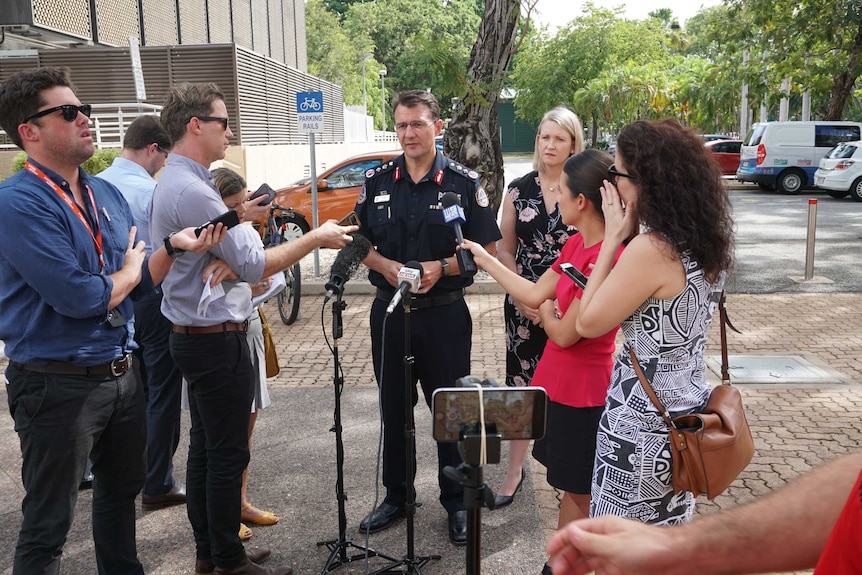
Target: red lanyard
97,237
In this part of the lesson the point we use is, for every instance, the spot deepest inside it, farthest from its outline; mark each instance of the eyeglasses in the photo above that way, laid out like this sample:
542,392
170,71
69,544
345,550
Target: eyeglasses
70,112
614,176
162,150
211,119
417,125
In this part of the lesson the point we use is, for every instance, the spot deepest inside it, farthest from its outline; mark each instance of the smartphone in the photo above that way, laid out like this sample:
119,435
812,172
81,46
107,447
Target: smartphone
229,219
350,219
516,412
577,275
264,191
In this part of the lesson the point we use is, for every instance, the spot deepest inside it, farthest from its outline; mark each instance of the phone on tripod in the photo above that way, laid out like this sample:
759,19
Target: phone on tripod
513,412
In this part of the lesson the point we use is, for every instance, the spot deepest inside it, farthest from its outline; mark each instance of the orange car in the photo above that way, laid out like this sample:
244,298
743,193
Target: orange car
337,190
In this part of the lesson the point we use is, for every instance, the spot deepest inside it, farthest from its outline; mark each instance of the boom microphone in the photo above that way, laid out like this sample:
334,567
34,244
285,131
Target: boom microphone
345,264
453,214
410,278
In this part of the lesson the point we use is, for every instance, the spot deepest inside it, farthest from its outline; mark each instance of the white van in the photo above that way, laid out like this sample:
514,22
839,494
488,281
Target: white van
785,155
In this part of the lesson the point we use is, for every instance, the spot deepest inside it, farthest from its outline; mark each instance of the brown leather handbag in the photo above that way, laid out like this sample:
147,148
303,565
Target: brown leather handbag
708,449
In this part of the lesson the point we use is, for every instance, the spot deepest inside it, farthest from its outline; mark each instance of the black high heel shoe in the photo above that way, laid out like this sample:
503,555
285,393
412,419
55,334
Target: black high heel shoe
504,500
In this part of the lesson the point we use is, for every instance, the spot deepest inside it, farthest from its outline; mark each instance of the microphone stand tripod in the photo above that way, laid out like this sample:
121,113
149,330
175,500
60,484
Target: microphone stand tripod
410,563
476,493
338,547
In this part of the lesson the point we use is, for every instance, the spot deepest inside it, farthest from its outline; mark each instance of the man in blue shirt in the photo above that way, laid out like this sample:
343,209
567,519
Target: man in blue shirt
145,149
68,264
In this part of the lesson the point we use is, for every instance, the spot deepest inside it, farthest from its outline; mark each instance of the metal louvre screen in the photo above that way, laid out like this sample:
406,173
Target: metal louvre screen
160,23
117,20
242,22
193,23
72,16
220,19
276,30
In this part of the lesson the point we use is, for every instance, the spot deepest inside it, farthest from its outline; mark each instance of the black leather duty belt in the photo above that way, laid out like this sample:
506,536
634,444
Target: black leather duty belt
424,301
116,368
218,328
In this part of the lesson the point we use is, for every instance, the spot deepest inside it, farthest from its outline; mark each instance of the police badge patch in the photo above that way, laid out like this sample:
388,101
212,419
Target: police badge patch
481,198
363,195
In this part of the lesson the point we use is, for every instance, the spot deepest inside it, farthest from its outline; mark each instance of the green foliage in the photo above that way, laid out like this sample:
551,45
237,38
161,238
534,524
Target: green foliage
100,160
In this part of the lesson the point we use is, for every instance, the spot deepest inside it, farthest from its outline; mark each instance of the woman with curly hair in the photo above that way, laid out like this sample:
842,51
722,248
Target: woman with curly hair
664,290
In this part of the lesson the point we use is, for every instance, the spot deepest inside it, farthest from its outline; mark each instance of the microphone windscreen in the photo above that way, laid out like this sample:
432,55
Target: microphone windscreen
450,199
416,266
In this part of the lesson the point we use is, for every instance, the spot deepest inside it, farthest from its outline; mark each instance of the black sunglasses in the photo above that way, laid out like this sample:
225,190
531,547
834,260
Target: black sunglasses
211,119
614,176
70,112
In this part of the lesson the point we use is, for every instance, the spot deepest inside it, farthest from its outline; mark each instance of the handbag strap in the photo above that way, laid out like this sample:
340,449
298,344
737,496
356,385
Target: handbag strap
649,390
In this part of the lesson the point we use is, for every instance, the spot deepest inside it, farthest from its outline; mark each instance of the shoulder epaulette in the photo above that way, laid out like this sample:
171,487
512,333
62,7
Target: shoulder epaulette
462,170
381,169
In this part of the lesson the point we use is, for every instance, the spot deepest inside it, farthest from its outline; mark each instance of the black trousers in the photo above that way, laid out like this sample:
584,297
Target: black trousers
163,382
440,342
60,420
219,373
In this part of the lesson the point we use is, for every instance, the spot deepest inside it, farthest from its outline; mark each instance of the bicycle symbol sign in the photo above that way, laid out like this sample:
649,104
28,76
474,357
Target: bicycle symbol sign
309,111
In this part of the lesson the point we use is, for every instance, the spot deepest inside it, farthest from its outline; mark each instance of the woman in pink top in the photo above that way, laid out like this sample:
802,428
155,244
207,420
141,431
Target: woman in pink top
575,371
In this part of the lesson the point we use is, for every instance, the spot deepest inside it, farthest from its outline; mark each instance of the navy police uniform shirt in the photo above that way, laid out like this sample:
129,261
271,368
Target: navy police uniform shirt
404,220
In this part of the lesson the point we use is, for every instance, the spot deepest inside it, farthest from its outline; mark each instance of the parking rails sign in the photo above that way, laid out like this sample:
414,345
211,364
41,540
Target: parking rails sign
309,111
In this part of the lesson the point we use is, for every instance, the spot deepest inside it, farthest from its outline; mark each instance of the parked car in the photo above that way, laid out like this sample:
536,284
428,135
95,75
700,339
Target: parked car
785,155
714,137
840,171
337,190
726,153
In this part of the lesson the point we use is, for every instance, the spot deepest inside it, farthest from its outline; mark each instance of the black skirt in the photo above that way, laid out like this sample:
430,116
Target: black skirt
568,450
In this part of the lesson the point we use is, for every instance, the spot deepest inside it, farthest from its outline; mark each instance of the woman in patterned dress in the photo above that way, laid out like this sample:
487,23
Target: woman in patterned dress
533,235
663,290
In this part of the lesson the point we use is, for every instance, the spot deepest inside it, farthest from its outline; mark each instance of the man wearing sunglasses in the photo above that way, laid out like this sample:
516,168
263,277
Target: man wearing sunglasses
69,265
145,148
209,345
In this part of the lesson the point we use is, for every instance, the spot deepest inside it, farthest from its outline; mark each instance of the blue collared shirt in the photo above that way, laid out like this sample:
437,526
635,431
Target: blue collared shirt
53,296
137,187
186,196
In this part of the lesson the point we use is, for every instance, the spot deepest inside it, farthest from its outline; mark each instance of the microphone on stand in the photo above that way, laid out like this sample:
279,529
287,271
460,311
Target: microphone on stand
345,264
453,214
410,278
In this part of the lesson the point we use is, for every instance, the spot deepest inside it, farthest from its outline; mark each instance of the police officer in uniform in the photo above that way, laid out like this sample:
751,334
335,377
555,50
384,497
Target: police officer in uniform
401,214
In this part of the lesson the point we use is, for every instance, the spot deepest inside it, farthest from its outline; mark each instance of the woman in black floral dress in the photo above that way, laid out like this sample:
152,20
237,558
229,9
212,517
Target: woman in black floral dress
533,234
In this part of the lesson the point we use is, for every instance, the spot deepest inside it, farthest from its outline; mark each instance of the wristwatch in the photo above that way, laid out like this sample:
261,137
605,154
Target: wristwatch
445,265
172,251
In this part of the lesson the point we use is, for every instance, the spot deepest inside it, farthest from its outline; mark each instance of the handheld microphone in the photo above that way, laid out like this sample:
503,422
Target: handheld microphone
453,214
410,277
345,264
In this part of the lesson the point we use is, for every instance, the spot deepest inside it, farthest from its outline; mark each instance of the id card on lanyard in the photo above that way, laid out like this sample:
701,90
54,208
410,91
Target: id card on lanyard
97,235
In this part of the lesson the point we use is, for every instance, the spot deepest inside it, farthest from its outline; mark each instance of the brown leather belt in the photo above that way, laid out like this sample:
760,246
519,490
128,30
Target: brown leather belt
218,328
116,368
425,301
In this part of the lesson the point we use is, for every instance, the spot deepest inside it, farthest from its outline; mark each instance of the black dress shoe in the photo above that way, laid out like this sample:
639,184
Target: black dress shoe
458,527
255,555
176,496
381,518
504,500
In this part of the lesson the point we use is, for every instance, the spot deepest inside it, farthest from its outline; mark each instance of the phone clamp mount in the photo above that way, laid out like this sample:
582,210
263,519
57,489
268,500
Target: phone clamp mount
472,445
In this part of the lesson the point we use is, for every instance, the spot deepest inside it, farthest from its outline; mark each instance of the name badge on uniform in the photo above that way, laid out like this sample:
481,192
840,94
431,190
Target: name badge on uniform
380,198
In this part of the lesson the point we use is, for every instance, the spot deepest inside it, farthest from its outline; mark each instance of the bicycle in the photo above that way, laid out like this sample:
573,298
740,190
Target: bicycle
285,227
309,104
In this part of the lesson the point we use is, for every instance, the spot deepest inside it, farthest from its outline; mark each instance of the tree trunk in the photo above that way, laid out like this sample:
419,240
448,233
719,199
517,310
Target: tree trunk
473,135
842,84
